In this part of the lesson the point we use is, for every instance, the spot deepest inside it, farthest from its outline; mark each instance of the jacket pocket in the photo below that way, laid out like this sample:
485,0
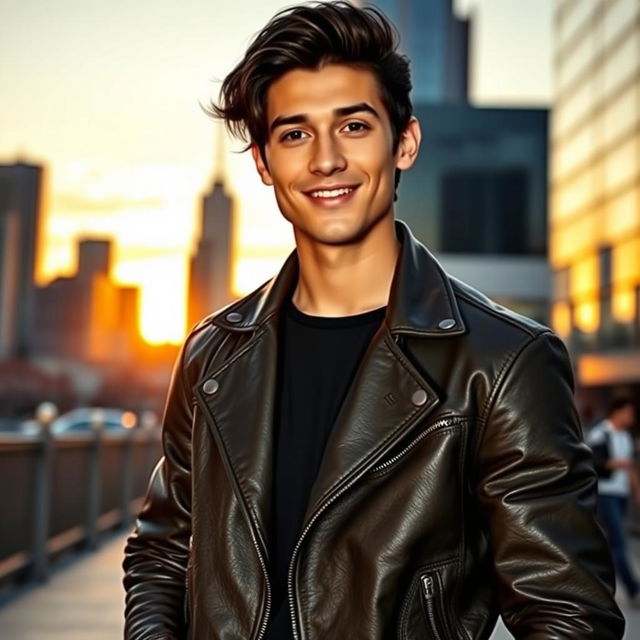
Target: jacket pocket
435,614
423,613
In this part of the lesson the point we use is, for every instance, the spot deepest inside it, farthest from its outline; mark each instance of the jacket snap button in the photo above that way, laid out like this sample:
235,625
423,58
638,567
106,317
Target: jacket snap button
210,386
447,323
234,316
419,397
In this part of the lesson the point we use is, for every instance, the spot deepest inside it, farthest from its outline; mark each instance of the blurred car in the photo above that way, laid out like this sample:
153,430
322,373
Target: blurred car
82,420
85,418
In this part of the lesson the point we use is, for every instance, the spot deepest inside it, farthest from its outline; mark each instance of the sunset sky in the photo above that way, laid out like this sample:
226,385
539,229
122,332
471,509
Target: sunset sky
106,96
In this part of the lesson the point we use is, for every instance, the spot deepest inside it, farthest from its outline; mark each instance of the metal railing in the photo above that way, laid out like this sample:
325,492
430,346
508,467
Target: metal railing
63,491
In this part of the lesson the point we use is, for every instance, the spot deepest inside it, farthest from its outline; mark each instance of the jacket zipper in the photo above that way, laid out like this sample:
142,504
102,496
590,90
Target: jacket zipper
295,551
322,508
187,600
413,443
428,590
265,618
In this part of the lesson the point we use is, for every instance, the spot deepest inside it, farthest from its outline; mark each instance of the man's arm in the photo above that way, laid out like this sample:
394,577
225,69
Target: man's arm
619,463
635,483
157,551
536,488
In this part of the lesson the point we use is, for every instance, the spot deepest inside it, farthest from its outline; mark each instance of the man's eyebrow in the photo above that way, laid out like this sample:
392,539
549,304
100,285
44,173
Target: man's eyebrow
340,111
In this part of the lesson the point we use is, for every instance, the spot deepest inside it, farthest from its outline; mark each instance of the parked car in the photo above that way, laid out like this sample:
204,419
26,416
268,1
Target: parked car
83,419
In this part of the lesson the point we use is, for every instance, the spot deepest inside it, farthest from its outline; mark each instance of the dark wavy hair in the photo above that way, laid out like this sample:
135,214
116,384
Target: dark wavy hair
309,36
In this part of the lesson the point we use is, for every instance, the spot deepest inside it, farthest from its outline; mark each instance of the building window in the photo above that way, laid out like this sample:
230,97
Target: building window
485,211
605,266
561,285
617,317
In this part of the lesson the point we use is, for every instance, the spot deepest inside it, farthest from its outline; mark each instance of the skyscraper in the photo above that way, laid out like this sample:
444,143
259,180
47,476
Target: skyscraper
210,265
437,43
21,195
595,197
477,197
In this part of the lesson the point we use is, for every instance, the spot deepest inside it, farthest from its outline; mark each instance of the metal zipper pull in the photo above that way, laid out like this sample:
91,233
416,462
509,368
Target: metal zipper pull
413,443
428,590
427,586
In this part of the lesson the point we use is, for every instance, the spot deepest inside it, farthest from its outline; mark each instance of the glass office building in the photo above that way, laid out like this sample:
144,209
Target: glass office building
477,194
477,197
437,43
594,208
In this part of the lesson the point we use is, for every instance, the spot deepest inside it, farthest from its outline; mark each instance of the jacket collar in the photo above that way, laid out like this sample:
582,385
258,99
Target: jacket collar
421,301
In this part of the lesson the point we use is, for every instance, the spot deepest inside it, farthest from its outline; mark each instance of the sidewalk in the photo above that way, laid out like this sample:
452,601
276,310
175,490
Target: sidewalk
85,601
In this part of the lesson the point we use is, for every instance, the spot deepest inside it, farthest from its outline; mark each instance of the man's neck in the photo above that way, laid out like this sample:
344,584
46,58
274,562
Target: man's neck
346,279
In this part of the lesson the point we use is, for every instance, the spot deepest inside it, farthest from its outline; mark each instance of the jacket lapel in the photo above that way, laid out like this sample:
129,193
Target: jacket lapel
241,421
240,412
386,399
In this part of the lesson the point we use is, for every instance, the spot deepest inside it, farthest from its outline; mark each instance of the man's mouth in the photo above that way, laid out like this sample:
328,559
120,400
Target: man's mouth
331,197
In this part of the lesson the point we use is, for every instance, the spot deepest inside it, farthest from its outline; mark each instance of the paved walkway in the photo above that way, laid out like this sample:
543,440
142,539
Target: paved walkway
85,601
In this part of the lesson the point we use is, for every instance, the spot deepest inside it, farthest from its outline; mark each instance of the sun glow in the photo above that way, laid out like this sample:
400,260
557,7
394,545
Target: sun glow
151,214
163,284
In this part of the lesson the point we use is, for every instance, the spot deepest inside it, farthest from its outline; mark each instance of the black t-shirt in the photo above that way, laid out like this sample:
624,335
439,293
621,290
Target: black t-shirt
317,360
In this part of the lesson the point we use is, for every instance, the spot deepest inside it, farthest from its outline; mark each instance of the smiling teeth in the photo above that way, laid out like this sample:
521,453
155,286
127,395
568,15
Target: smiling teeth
330,194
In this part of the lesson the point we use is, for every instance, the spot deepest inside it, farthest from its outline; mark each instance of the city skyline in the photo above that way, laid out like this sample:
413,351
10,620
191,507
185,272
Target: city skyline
130,153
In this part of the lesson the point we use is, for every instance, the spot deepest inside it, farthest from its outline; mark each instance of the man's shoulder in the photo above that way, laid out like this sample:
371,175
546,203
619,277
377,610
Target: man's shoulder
207,330
487,318
482,309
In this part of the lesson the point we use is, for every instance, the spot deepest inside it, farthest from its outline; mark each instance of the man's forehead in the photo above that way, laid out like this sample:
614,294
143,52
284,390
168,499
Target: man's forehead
319,93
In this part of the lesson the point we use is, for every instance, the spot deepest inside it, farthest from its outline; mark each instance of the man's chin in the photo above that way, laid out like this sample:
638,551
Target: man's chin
332,235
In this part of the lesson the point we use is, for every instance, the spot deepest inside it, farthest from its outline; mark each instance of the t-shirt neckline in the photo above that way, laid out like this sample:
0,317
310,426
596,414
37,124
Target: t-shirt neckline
334,322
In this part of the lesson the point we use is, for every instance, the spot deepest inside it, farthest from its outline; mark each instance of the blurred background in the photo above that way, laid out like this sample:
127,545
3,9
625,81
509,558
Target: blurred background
126,215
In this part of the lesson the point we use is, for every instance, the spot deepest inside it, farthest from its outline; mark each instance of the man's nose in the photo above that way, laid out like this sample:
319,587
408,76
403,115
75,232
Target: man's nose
327,156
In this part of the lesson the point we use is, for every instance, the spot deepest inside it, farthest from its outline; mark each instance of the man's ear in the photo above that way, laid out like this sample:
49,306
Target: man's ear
265,176
409,144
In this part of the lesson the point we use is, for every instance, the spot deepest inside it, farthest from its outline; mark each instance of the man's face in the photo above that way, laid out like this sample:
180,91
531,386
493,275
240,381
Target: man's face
624,417
329,129
627,415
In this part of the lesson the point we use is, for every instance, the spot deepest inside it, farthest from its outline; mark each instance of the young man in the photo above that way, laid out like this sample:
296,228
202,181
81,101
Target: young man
622,483
363,447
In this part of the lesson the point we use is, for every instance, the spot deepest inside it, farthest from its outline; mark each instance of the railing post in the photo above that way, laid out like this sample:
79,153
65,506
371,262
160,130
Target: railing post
127,479
45,415
95,477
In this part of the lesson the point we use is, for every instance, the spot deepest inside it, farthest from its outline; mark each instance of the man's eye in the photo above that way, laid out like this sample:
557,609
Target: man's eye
286,135
358,124
292,135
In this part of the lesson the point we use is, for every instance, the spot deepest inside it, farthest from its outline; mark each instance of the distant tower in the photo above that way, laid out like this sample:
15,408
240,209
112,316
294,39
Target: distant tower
94,258
20,214
210,265
437,43
87,317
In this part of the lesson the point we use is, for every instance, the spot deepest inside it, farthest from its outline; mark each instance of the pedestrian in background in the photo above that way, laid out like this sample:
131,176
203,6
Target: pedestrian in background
618,481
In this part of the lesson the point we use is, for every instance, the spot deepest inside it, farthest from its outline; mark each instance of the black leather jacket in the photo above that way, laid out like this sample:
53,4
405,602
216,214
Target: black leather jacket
455,485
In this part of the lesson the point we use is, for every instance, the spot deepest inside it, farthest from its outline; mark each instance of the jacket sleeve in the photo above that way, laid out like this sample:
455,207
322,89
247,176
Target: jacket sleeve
536,489
157,550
